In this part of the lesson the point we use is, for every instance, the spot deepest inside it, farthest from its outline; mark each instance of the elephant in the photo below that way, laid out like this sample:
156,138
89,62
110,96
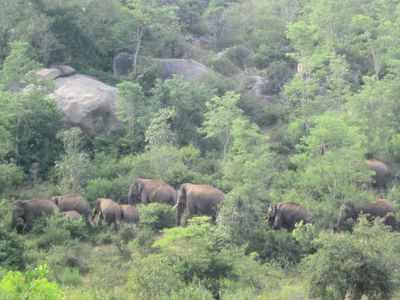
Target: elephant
286,215
197,199
72,215
77,203
27,211
382,172
108,210
130,214
151,190
349,213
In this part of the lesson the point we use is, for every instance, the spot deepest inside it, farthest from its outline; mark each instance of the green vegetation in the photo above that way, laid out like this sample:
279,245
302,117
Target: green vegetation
291,100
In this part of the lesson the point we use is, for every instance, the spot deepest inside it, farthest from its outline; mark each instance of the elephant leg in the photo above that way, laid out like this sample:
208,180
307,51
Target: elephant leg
185,217
144,197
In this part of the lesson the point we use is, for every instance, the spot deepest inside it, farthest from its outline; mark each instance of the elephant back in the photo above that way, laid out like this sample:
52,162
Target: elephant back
204,193
379,208
40,207
164,194
129,213
76,203
291,213
381,170
111,210
72,215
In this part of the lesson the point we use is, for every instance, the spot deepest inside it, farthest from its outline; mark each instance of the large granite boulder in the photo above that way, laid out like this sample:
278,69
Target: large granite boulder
86,102
189,69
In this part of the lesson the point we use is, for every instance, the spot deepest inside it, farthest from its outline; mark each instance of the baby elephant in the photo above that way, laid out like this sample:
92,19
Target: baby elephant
130,214
108,210
72,215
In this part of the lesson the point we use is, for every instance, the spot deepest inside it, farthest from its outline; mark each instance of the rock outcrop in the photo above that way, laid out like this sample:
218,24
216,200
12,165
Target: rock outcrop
87,103
187,68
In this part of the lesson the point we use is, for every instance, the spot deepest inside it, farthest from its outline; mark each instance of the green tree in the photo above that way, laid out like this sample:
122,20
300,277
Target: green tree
134,109
159,132
220,115
330,165
353,265
72,170
189,102
149,15
17,66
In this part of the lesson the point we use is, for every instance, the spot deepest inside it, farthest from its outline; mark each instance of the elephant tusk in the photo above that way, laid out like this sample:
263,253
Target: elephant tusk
175,206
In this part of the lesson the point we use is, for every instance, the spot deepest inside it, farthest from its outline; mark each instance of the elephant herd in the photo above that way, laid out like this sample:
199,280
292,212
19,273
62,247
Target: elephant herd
187,201
287,214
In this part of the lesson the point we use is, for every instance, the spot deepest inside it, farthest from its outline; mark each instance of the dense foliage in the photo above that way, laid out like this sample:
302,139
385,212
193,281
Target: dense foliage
297,96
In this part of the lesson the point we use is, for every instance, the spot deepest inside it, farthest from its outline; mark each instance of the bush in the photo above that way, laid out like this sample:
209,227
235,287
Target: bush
156,279
223,65
190,292
11,176
241,56
116,188
69,277
362,263
276,245
157,216
73,256
32,285
11,250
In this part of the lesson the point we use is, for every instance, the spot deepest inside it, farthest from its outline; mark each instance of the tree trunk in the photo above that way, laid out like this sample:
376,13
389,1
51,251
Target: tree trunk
139,36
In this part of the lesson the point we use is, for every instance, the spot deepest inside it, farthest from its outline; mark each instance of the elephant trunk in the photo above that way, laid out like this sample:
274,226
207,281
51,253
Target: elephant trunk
179,212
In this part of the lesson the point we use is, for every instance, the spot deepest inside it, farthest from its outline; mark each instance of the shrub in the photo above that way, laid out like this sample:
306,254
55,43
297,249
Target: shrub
156,280
223,65
69,277
32,285
74,256
241,56
11,250
190,292
11,176
157,216
276,245
362,263
116,188
201,253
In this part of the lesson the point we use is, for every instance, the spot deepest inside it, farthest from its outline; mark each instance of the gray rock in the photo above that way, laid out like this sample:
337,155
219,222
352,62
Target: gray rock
187,68
55,72
87,103
122,64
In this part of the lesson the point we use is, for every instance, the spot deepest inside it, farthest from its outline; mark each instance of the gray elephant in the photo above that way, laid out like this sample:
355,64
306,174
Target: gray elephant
349,213
72,215
25,212
196,199
70,202
108,210
130,214
382,172
286,215
151,190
